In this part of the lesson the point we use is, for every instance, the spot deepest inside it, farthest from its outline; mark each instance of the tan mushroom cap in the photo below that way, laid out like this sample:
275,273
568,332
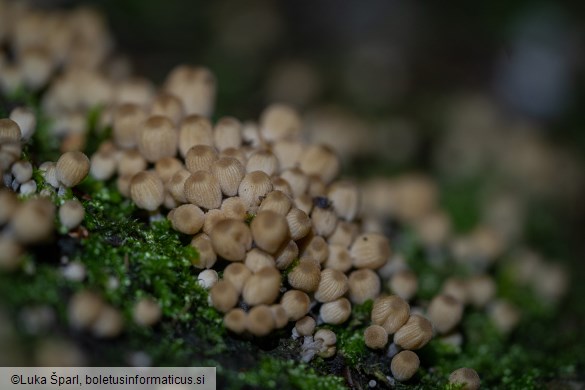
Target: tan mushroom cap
415,333
391,312
404,283
157,138
187,219
404,365
364,284
305,326
280,122
370,250
260,321
146,312
335,312
71,213
203,189
296,304
333,285
72,168
305,277
299,223
147,190
375,337
286,255
445,312
263,287
194,130
224,296
200,158
253,187
235,320
276,201
466,377
229,172
269,230
321,161
9,130
263,160
256,259
231,239
33,220
237,274
207,256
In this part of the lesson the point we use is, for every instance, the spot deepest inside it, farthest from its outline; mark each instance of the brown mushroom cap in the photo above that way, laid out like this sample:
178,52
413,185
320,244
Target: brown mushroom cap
466,377
305,326
71,213
147,190
260,321
187,219
370,250
280,122
203,190
254,186
305,277
333,285
445,312
390,312
237,274
33,221
200,158
224,296
415,334
72,168
229,173
146,312
364,284
335,312
231,239
404,283
235,320
404,365
269,230
375,337
157,138
194,130
207,256
9,130
263,287
296,304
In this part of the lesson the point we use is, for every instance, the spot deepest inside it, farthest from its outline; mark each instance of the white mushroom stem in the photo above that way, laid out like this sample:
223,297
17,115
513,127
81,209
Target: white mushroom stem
392,350
295,334
310,348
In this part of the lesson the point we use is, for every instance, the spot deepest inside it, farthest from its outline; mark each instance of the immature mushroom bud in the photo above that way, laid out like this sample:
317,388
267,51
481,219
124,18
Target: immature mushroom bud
229,174
166,104
257,259
22,171
299,224
254,186
200,158
157,138
279,122
237,153
231,239
404,284
33,220
390,312
203,190
445,312
414,334
297,179
335,312
286,255
316,187
234,208
166,167
260,321
263,160
237,274
71,214
364,284
305,326
269,230
83,309
404,365
128,119
147,190
72,168
207,256
10,151
26,120
370,250
481,289
207,278
276,201
305,277
131,162
235,320
321,161
187,219
146,312
465,377
324,221
295,303
345,198
338,258
375,337
263,287
328,340
176,185
333,284
227,133
224,296
194,130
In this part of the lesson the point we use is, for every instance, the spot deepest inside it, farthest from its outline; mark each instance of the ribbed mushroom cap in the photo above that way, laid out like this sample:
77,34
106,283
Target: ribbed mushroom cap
257,259
263,287
297,179
224,296
203,190
315,249
9,130
335,312
131,162
305,277
10,151
234,208
280,316
344,234
326,336
279,184
168,105
200,158
176,185
404,365
157,138
260,321
390,312
364,284
299,223
305,326
235,320
195,86
72,168
33,221
370,250
320,160
26,121
324,221
333,285
207,256
128,119
445,312
227,133
187,219
263,160
269,230
415,333
194,130
345,199
286,255
465,377
375,337
146,312
288,153
237,274
83,309
295,303
103,165
279,122
229,172
338,258
404,283
212,217
304,202
71,213
231,239
276,201
481,290
147,190
166,167
254,186
237,153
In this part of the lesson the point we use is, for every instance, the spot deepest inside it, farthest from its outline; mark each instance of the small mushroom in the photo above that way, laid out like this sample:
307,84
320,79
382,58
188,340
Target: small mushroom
404,365
146,312
260,321
157,138
335,312
295,303
465,377
231,239
390,312
332,285
262,287
203,189
235,320
147,190
445,312
72,168
375,337
223,295
414,334
269,230
71,214
364,284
